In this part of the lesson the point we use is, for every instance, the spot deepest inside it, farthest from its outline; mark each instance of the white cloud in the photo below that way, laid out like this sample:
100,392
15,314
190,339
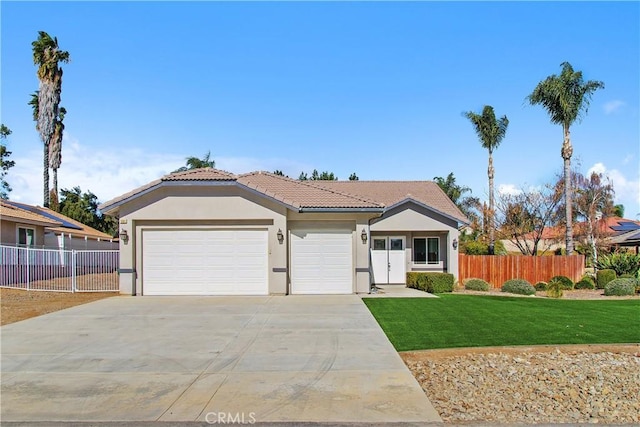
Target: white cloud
627,190
613,106
511,189
110,173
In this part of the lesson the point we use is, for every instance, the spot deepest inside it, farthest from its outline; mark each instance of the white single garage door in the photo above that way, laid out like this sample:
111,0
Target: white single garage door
321,262
204,262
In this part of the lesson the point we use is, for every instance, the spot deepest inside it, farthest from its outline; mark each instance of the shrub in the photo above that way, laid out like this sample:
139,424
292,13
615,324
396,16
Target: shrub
541,286
585,283
555,288
475,247
567,284
603,277
624,286
621,263
626,276
434,283
437,283
518,286
476,285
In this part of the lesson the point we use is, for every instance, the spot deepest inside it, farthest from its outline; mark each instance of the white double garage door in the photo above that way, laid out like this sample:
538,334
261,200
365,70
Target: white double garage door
235,262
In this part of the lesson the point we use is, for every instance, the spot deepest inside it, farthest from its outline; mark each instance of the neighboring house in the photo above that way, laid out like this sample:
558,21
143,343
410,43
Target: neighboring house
626,234
210,232
19,227
55,231
553,238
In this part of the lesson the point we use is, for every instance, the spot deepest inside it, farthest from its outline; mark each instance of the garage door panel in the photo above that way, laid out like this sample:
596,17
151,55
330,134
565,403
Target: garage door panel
321,262
205,262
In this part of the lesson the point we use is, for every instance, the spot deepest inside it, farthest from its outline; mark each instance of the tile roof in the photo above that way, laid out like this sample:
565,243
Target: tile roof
55,221
303,194
375,195
11,212
390,193
203,174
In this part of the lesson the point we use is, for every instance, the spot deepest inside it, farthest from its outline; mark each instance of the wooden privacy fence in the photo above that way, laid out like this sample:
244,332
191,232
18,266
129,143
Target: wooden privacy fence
498,269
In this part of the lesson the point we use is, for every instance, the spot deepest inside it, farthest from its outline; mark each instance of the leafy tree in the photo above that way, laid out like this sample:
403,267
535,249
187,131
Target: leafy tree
317,176
47,56
618,210
198,163
524,216
491,132
279,172
467,204
5,164
594,199
83,207
566,98
354,177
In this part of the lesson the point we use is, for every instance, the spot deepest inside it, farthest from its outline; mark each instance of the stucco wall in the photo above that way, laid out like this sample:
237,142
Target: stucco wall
224,207
9,233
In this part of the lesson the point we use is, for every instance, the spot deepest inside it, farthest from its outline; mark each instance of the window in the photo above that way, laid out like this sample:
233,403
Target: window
26,236
426,250
379,244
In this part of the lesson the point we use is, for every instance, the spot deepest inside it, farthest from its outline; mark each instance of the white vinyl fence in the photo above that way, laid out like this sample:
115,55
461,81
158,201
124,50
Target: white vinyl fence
58,270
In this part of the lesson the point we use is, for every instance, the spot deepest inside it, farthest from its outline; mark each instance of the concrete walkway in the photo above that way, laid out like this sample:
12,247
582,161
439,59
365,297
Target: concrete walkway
397,291
176,359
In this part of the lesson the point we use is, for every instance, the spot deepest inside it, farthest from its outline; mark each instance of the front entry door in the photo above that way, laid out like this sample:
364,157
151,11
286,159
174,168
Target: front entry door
388,260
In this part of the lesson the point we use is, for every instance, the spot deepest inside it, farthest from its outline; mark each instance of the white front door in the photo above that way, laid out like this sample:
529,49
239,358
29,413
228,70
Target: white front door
388,260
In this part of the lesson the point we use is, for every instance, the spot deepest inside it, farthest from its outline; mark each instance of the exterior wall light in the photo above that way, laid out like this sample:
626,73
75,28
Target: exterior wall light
363,236
455,244
124,236
280,236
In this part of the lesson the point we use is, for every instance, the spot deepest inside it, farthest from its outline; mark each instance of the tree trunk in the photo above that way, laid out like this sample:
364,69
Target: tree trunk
55,182
490,173
567,151
46,177
592,242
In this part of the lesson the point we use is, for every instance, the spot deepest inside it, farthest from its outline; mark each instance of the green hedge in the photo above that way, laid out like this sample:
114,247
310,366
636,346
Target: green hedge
476,285
518,286
624,286
567,284
604,276
434,283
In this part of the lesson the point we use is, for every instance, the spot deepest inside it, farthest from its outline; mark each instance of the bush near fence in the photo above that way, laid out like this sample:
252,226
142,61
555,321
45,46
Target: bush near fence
498,269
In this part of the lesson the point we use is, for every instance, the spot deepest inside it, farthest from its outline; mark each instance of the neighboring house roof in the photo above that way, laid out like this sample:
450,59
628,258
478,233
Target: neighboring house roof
628,238
314,195
10,212
59,223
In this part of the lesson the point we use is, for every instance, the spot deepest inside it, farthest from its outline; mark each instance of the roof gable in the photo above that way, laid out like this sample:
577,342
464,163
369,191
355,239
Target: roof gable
376,196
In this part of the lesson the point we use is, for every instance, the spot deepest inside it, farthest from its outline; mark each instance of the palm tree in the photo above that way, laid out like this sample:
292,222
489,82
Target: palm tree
47,55
198,163
55,148
566,98
491,132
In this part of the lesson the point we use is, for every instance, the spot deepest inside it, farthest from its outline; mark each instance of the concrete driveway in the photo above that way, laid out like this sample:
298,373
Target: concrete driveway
259,359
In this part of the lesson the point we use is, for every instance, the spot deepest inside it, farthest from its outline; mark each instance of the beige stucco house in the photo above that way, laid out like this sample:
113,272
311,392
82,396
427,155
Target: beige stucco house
35,226
210,232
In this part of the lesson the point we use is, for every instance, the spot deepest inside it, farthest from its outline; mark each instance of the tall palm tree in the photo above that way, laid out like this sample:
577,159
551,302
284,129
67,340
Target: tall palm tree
491,132
198,163
47,55
566,98
55,148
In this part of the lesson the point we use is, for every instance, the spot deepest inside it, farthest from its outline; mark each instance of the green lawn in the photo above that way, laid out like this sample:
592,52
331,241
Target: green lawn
478,321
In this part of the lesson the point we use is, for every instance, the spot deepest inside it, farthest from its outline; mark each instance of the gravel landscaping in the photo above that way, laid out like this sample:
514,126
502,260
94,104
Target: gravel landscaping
533,385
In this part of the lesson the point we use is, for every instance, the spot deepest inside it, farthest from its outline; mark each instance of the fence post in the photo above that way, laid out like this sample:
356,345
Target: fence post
73,271
28,269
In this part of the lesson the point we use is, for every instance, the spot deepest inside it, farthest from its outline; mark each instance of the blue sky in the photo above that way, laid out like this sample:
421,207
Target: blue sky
376,88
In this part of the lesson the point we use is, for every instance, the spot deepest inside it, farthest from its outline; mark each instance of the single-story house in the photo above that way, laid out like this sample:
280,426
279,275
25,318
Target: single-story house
36,226
210,232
